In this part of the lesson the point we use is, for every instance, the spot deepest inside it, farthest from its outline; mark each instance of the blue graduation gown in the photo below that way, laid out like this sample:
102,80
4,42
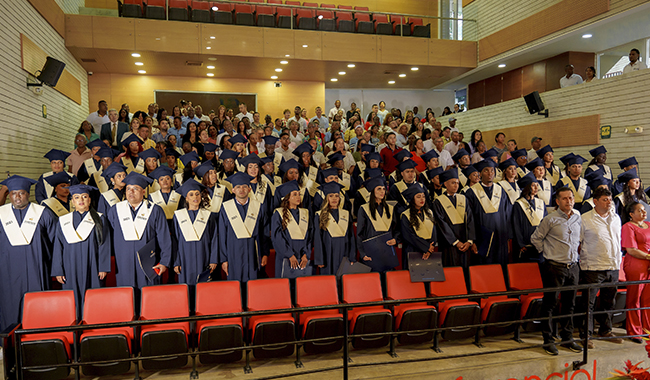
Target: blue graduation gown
284,245
194,256
306,200
317,202
267,204
24,268
492,230
127,267
81,262
328,250
522,231
394,194
102,205
242,255
82,173
576,184
448,234
39,188
365,229
411,242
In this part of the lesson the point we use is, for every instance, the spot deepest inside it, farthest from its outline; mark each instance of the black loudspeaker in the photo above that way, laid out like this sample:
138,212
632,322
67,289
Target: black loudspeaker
534,102
51,72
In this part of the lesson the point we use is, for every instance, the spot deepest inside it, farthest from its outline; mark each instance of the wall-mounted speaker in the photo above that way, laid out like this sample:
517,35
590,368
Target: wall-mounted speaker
51,71
534,102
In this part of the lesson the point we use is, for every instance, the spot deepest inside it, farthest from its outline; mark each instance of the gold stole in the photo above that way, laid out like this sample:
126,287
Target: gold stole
534,216
90,166
242,229
153,187
579,194
23,234
269,184
260,194
111,198
522,172
455,214
490,206
345,181
606,169
224,182
82,232
169,207
556,176
309,182
362,166
339,229
133,229
382,224
365,194
297,231
513,194
129,165
48,188
619,196
55,206
545,192
192,231
461,177
100,181
217,198
425,230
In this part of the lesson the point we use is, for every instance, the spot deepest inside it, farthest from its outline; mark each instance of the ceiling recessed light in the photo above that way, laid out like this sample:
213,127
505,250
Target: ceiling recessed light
212,59
212,37
502,65
157,38
587,35
351,65
274,77
142,72
305,45
208,48
278,70
287,55
334,80
135,55
215,9
391,82
210,74
415,68
402,75
341,72
139,64
210,67
284,62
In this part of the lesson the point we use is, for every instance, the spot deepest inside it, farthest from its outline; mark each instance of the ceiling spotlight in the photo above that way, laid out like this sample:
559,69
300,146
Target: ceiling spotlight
414,69
212,37
284,62
136,55
502,65
141,72
274,77
351,65
208,48
139,64
278,70
210,74
212,59
287,55
341,72
334,80
210,67
391,82
402,75
587,35
305,45
215,9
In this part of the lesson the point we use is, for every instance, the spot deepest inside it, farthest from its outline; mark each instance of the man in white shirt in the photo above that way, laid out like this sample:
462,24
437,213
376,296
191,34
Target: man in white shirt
191,116
199,113
297,112
444,158
228,130
243,112
600,260
452,146
570,79
335,109
323,122
99,117
536,142
284,149
152,110
635,64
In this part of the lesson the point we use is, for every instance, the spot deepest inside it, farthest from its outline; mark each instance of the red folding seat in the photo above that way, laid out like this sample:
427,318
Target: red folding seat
315,5
366,287
107,305
154,9
265,15
418,29
401,27
200,10
347,7
269,294
132,8
305,19
411,316
54,308
363,21
330,6
489,278
523,276
456,312
325,20
383,25
160,302
244,14
286,17
222,13
219,297
178,10
344,21
319,291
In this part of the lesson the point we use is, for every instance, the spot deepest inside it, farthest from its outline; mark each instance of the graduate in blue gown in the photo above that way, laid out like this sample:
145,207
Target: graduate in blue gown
135,222
195,226
59,201
363,195
395,176
114,175
545,192
26,239
82,248
376,217
190,161
417,226
106,156
407,178
599,162
93,163
269,152
573,180
509,170
57,159
327,176
488,203
632,192
358,173
228,167
435,186
262,191
241,222
333,233
308,167
430,159
625,165
472,175
290,171
349,186
520,156
595,180
291,229
527,212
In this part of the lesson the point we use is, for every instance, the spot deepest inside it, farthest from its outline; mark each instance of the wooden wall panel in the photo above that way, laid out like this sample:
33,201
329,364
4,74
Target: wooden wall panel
77,31
493,90
392,48
278,43
178,36
103,4
512,83
314,49
555,70
468,54
534,78
121,29
476,95
361,48
33,59
581,61
230,40
557,133
545,22
444,53
52,13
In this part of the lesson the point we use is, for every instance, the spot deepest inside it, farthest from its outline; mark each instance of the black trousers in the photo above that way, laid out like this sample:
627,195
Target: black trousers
555,275
607,298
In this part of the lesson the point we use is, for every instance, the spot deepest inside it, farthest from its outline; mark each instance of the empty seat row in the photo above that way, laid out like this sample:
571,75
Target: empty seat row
258,13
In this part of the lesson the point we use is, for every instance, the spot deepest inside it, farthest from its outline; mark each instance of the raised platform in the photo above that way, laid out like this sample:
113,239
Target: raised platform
530,363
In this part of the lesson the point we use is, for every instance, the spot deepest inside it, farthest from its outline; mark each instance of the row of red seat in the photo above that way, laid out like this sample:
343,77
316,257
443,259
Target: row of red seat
258,13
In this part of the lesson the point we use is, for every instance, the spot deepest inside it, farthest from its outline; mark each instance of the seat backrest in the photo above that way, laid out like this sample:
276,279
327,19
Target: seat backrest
243,8
400,287
486,278
306,4
202,5
362,16
54,308
175,3
380,18
361,8
264,9
316,291
344,15
274,1
223,7
348,7
415,21
453,285
218,297
397,19
325,14
305,13
109,305
160,3
524,276
330,6
256,1
292,2
165,301
362,287
269,294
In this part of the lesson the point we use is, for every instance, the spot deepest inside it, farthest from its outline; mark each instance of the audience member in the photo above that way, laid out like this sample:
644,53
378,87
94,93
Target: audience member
99,117
635,64
570,79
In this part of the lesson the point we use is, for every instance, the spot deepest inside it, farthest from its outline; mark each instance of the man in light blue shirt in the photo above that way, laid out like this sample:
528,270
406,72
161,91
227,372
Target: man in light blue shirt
322,120
191,116
178,130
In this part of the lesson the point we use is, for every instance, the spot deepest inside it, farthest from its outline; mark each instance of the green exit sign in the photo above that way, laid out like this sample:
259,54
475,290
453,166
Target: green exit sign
605,131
